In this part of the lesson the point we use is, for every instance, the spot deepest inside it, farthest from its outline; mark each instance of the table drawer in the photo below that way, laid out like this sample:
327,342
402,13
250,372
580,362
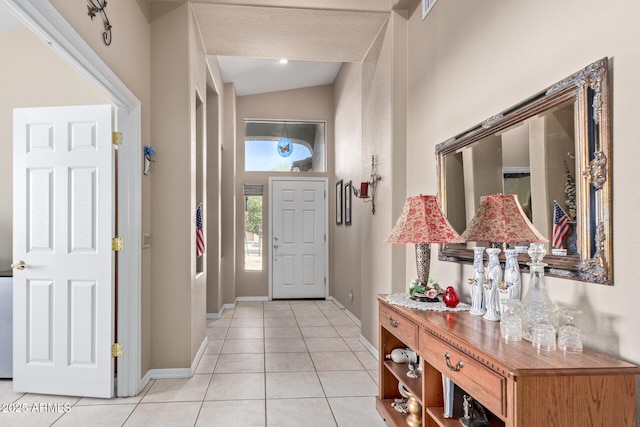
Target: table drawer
403,329
483,384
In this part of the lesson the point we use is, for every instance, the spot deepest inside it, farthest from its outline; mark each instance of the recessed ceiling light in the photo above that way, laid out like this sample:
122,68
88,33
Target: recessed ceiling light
283,60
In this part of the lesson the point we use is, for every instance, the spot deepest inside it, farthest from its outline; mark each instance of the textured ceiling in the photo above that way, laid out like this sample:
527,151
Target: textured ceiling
293,33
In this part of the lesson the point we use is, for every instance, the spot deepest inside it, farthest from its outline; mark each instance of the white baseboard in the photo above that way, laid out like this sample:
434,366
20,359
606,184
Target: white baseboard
144,381
251,299
171,373
374,351
196,360
213,316
346,311
370,347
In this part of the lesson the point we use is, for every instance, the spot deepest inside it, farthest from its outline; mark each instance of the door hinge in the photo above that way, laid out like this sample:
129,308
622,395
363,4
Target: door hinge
116,138
117,244
325,280
116,350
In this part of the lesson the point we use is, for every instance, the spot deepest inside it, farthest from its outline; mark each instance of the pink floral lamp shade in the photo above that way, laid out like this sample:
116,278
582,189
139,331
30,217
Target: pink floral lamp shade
500,218
422,221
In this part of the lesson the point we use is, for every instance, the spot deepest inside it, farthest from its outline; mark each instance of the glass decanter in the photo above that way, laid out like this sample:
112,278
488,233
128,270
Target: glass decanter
537,307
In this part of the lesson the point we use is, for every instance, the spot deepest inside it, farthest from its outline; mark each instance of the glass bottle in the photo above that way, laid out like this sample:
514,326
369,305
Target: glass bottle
537,306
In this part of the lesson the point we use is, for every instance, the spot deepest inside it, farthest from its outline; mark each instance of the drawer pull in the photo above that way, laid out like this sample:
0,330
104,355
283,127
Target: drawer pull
456,368
393,323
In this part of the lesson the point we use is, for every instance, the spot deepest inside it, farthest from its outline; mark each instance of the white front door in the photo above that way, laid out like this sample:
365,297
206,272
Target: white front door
63,222
298,238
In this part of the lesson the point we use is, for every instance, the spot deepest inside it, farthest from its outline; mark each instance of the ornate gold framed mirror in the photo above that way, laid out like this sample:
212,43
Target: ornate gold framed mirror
553,148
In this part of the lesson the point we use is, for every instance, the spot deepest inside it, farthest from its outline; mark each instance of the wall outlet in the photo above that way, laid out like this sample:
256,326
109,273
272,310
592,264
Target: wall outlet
146,240
350,295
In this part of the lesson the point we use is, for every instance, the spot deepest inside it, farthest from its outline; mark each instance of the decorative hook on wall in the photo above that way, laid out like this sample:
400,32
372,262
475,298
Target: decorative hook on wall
98,6
367,190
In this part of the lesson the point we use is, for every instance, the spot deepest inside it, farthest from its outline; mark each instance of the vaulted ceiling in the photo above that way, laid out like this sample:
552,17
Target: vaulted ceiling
246,39
317,36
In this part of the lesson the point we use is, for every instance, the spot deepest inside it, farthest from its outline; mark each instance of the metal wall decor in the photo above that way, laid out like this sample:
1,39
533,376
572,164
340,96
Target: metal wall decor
98,7
371,186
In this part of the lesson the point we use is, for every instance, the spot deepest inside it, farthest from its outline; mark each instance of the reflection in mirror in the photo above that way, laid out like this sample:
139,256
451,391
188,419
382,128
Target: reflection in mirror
544,150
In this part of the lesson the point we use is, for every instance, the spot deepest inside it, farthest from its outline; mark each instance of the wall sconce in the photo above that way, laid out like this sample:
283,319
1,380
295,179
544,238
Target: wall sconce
98,6
367,190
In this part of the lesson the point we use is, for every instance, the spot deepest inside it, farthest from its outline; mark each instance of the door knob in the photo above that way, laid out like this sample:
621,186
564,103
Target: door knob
20,265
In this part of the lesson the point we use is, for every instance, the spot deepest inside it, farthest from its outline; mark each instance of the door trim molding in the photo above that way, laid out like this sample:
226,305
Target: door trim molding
324,180
48,24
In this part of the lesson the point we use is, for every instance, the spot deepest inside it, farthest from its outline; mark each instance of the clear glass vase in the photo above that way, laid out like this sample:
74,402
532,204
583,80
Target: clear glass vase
537,307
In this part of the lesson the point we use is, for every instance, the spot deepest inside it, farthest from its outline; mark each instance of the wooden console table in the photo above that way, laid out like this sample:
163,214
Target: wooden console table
517,385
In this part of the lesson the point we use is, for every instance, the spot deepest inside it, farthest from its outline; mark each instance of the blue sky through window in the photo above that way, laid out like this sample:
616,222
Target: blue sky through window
261,155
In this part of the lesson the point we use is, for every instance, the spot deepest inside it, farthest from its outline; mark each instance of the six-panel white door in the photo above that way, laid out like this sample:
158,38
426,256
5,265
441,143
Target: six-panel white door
298,239
63,198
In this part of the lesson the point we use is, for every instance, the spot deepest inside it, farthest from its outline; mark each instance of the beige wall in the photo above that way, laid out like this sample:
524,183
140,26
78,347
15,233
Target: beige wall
370,101
213,230
128,58
171,192
346,253
25,85
198,94
228,211
315,103
180,292
464,68
384,127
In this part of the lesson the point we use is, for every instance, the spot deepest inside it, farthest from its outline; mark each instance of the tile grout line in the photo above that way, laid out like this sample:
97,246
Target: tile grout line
264,365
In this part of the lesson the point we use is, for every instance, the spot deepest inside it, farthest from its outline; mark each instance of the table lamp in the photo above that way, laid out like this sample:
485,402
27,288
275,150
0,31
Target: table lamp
499,219
422,223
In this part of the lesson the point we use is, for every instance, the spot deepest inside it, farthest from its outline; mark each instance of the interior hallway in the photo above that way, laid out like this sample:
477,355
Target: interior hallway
277,363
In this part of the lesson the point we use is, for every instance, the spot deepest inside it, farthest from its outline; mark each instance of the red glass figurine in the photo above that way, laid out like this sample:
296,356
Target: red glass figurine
451,298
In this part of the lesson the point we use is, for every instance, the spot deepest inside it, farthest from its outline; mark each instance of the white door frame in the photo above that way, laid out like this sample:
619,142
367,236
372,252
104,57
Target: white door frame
47,23
326,227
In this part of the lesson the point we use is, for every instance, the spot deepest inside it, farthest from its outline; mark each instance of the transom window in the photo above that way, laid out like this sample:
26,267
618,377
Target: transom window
284,146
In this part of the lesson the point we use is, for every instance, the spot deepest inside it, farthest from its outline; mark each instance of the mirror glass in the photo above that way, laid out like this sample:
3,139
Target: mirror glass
551,150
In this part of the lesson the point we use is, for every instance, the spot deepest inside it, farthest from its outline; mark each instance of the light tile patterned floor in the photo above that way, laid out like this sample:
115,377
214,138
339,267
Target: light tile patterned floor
274,364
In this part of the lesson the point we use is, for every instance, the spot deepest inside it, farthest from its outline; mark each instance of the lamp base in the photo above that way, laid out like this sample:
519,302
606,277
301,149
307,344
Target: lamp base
423,261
